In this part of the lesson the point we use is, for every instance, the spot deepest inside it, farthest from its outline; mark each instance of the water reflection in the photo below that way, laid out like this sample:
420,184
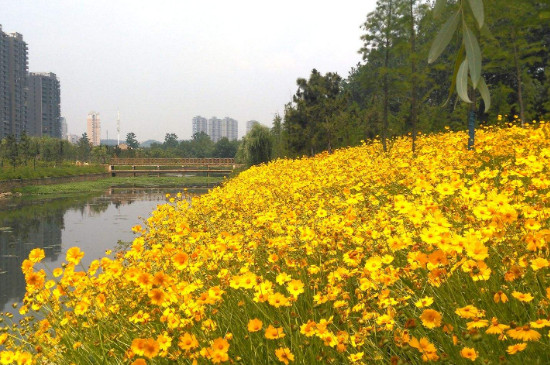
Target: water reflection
94,223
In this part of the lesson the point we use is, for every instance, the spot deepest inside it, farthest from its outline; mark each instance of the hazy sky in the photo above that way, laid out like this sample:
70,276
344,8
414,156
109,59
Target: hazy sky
163,62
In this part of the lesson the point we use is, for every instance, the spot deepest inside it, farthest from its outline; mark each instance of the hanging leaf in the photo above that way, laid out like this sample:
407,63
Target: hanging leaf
477,9
443,37
438,7
473,54
462,81
458,62
485,95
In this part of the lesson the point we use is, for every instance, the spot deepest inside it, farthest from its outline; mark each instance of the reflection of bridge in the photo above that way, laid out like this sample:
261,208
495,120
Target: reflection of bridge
157,166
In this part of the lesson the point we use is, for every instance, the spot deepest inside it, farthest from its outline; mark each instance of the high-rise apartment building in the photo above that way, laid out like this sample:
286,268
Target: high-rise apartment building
200,124
44,105
4,87
64,128
94,128
13,84
213,128
230,129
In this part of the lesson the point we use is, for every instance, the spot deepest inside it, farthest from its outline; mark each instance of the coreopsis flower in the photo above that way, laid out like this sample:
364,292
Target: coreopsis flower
254,325
424,302
469,312
284,355
469,353
496,328
523,297
36,255
430,318
139,362
295,287
273,333
523,333
518,347
500,297
74,255
188,342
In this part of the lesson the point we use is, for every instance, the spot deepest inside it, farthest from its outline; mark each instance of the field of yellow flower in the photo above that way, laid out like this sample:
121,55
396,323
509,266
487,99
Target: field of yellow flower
359,257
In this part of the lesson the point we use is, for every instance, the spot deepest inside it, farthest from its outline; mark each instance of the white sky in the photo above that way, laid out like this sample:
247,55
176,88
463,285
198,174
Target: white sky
163,62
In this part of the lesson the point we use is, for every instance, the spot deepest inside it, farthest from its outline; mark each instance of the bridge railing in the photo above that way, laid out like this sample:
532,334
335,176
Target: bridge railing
173,161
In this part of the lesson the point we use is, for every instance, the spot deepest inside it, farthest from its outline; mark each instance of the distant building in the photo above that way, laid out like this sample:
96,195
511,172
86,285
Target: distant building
13,84
230,129
200,124
64,128
44,105
250,124
94,128
213,128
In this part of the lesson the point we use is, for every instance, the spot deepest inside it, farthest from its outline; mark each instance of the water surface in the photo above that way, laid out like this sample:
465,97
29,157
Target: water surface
93,223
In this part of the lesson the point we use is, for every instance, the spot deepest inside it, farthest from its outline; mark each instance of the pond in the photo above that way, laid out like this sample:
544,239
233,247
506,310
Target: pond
93,223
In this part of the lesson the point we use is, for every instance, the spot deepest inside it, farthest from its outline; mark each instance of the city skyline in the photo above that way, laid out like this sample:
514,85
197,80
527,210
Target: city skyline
161,64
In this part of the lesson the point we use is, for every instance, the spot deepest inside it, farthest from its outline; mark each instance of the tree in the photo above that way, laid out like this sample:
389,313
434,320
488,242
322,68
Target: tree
309,122
381,35
84,148
225,148
170,141
276,133
11,150
257,146
131,140
201,145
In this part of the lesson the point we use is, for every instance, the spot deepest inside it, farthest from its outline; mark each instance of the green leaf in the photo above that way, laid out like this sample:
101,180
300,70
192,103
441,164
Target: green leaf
438,7
544,15
477,9
485,95
458,61
443,37
462,81
473,54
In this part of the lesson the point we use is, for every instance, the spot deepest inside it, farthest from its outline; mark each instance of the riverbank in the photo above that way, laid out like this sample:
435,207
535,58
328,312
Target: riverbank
105,183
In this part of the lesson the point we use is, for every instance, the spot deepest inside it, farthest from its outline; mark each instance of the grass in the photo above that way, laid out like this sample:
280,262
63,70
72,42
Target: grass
102,184
28,172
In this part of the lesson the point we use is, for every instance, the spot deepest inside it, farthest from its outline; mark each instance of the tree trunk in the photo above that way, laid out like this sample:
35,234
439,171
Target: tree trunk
472,122
413,115
518,80
385,125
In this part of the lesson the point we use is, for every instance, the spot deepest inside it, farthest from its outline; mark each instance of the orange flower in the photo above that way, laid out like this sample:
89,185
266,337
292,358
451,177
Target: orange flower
431,318
158,296
500,297
139,362
254,325
180,260
513,349
74,255
188,342
220,345
272,333
284,355
468,353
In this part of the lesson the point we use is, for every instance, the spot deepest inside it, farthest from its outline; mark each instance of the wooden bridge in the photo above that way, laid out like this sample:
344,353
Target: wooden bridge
157,166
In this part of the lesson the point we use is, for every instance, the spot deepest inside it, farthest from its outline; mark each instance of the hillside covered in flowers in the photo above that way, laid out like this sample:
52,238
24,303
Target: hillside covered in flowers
359,256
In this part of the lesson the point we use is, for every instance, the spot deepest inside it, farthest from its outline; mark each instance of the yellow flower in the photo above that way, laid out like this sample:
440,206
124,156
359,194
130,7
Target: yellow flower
36,255
518,347
424,302
295,287
188,342
284,355
74,255
272,333
431,318
523,297
254,325
469,353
